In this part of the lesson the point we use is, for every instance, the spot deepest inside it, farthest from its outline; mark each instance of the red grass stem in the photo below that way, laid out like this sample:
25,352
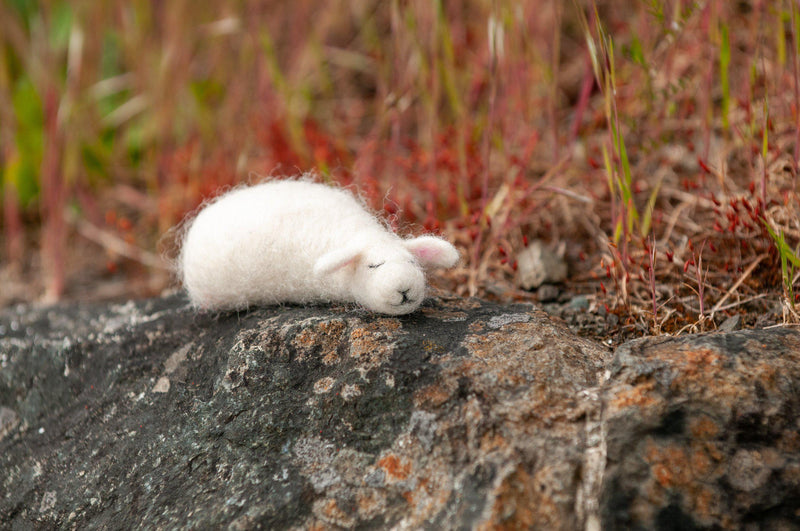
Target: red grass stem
53,200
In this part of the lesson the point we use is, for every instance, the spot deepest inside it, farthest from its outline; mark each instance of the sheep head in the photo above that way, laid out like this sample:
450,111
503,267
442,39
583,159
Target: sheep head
387,278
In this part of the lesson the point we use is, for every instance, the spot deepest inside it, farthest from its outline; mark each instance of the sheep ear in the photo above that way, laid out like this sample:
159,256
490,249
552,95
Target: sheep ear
337,260
432,251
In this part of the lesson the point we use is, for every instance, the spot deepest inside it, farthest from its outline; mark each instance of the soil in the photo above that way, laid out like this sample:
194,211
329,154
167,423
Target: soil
589,318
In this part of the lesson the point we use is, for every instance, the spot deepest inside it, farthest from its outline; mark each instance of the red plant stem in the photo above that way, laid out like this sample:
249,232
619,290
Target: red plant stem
708,19
387,90
487,138
53,198
700,280
554,87
13,224
653,280
436,90
765,163
796,74
487,149
583,99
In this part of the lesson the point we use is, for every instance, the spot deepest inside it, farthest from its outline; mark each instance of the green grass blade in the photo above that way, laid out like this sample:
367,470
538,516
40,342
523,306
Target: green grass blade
724,63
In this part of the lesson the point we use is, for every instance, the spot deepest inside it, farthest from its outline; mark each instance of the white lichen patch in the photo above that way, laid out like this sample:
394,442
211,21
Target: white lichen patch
315,456
350,391
48,501
162,385
121,316
176,358
499,321
324,385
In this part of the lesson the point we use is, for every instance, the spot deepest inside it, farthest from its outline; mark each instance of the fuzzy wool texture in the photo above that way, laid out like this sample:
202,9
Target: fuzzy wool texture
297,241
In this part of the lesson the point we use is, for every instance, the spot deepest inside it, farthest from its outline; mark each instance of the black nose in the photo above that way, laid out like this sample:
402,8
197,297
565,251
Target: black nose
404,293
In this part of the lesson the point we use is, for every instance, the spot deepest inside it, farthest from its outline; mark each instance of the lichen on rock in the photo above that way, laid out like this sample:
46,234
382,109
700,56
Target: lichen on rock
464,414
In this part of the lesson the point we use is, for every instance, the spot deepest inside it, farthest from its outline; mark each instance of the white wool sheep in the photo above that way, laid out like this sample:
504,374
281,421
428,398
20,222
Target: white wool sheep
301,242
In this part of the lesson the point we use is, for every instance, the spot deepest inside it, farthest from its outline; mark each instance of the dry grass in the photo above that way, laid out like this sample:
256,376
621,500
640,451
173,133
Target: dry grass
657,141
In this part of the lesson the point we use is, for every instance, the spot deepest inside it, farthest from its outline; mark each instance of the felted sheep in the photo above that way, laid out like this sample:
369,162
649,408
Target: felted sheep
302,242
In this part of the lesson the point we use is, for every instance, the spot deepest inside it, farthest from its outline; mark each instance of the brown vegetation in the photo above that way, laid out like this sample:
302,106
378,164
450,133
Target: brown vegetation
658,140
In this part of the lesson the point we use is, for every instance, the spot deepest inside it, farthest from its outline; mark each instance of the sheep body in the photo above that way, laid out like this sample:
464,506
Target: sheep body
301,242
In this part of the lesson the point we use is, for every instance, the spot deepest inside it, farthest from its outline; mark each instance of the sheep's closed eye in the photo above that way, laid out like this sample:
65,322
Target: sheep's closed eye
375,266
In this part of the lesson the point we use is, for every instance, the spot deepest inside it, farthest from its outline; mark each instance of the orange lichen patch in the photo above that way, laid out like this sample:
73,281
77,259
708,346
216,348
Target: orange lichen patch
697,367
484,346
427,497
702,357
519,504
662,475
370,502
316,525
789,441
444,315
457,304
476,327
549,369
714,451
772,458
688,470
324,385
395,467
640,396
431,347
388,324
324,339
434,395
496,350
703,427
330,357
700,462
329,511
675,465
767,373
419,499
423,484
706,503
522,353
372,344
670,464
439,496
493,442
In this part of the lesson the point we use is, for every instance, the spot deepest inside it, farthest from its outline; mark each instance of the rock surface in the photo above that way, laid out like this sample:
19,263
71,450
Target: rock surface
703,432
536,265
462,415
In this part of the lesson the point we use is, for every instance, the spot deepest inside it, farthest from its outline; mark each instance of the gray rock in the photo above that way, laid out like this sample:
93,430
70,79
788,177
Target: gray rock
547,293
581,302
703,432
731,324
148,414
536,265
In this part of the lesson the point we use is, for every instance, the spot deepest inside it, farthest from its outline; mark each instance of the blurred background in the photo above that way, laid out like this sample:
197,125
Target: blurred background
653,143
